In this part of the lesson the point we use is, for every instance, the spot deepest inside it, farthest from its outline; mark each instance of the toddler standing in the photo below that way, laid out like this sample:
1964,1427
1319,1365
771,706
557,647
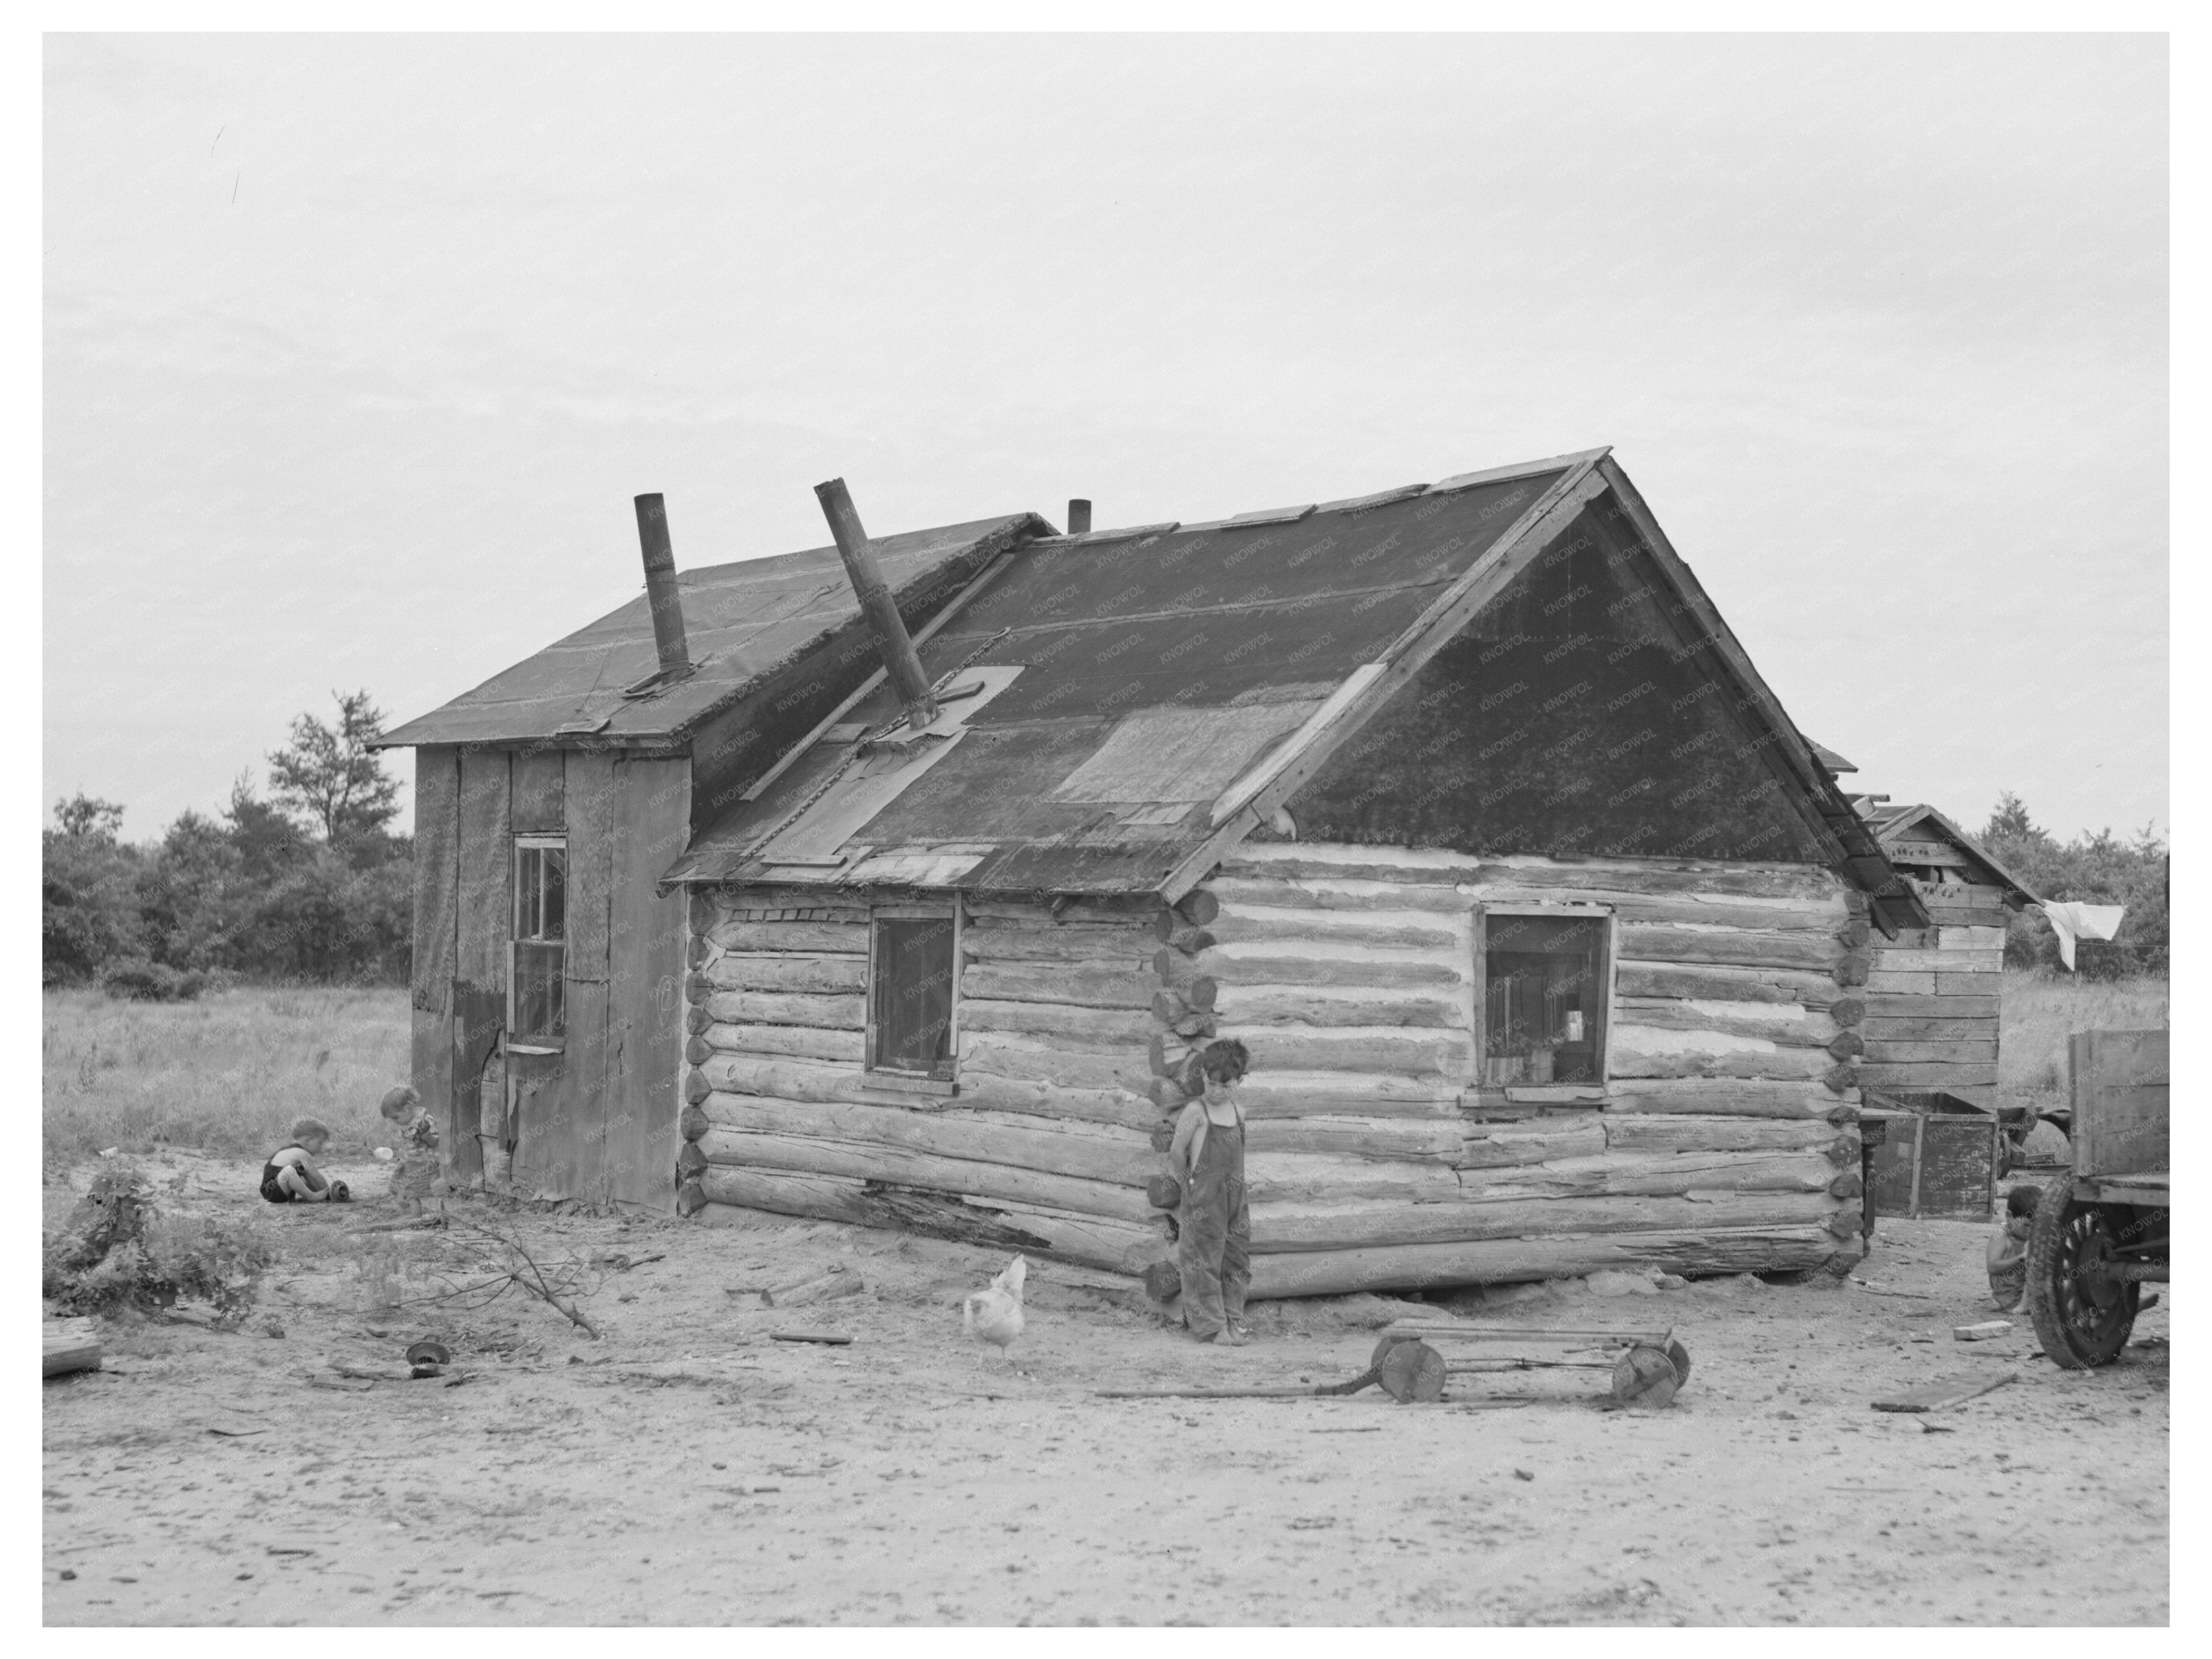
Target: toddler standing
415,1171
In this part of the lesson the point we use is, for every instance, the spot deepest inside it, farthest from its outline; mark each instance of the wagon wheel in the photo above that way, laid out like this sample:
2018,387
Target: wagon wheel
2082,1311
1645,1375
1412,1371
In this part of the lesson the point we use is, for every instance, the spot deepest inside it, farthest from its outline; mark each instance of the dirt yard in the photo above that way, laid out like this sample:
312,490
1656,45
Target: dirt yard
685,1469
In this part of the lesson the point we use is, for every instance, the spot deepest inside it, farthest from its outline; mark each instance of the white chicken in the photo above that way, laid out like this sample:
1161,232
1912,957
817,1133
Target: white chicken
995,1316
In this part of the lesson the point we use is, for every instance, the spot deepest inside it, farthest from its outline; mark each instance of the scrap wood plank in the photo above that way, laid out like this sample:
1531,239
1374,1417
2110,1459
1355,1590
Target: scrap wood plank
1951,1391
71,1345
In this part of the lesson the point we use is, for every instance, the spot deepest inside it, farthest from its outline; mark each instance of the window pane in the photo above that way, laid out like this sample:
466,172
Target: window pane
555,917
1544,997
537,1000
525,892
911,1010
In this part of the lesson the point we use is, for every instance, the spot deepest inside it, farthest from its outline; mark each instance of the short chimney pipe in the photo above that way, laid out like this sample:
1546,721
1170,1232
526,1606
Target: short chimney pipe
893,644
660,595
1078,517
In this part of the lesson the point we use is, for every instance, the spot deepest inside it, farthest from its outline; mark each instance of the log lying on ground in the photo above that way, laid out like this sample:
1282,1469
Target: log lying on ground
1097,1154
1723,1098
1533,1140
835,1013
1295,1004
1506,1261
1086,984
1745,947
1110,1030
845,938
862,1162
1116,1246
1239,924
69,1344
1790,1024
1518,877
1617,1174
827,975
1380,970
1720,982
1630,1131
1277,1228
799,1040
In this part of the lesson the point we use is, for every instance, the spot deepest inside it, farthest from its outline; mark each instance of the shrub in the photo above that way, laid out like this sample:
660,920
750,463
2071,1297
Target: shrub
140,981
119,1251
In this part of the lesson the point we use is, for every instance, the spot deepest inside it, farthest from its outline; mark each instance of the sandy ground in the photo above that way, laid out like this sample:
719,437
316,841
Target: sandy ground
685,1469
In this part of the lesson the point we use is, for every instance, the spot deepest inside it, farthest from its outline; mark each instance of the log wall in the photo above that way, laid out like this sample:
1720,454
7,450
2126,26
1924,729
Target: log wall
1722,1141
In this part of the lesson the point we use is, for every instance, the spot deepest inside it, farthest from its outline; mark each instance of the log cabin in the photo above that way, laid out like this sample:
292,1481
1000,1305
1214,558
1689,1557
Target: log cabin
913,898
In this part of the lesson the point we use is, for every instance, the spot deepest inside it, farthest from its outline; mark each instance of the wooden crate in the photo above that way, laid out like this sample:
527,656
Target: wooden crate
1937,1156
2120,1089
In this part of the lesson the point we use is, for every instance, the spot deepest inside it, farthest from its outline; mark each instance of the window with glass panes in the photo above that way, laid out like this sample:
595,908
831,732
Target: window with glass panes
1547,983
534,1013
912,961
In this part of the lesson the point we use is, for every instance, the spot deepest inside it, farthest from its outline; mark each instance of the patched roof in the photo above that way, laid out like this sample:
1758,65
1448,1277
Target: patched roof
742,621
1120,707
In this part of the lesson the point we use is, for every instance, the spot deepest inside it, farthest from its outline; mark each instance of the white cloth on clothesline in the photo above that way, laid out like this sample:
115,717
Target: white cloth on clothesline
2070,920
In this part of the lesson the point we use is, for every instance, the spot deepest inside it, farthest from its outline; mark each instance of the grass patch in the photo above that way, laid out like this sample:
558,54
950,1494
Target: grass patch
227,1073
2042,1008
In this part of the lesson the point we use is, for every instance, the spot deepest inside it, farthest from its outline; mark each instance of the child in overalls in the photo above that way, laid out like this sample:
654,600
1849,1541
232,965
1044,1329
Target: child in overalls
290,1175
2008,1251
1215,1255
415,1172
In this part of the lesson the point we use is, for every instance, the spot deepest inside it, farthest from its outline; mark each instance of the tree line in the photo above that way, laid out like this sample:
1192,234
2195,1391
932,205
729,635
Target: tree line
2090,869
308,884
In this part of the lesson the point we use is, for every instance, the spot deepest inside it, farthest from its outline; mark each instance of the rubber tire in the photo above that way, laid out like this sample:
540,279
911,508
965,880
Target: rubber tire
2071,1344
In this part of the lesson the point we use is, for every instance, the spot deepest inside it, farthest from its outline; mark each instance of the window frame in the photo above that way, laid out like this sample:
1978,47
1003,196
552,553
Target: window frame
1609,970
890,1078
535,1044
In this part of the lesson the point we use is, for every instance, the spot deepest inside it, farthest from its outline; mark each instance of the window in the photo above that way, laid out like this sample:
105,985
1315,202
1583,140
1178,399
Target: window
913,960
1546,980
535,1018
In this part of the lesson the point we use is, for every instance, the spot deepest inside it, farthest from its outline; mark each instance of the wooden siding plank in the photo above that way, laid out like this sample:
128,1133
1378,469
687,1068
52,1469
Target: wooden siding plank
430,1072
437,886
652,819
485,865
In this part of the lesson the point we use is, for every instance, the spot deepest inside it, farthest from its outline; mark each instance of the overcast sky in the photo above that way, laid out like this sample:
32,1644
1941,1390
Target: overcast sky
357,349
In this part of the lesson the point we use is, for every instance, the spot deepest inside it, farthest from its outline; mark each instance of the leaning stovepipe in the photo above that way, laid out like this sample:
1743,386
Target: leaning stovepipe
900,661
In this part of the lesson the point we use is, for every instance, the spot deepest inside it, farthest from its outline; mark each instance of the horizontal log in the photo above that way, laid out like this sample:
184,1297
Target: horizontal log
1891,1028
1498,1262
1198,906
926,1171
697,951
1669,1133
1028,1061
1285,1227
837,1013
1847,1011
1276,1093
1504,1145
1240,924
807,1040
1309,862
1922,1074
1745,947
792,1079
1389,1138
1391,970
1353,1049
776,895
844,938
1115,1157
1790,1024
1135,912
692,1122
1181,935
1167,1094
1720,1098
1886,1006
1939,962
1849,1184
805,975
1115,1247
1628,1060
1307,1005
1353,896
1274,1176
1718,982
1087,984
1853,969
691,1198
1128,949
1119,1106
1105,1030
1618,1173
1846,1044
1891,1052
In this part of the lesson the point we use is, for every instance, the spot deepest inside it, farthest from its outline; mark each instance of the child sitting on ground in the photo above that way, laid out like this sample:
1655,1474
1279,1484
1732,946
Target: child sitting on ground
1214,1248
290,1175
2007,1253
417,1168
